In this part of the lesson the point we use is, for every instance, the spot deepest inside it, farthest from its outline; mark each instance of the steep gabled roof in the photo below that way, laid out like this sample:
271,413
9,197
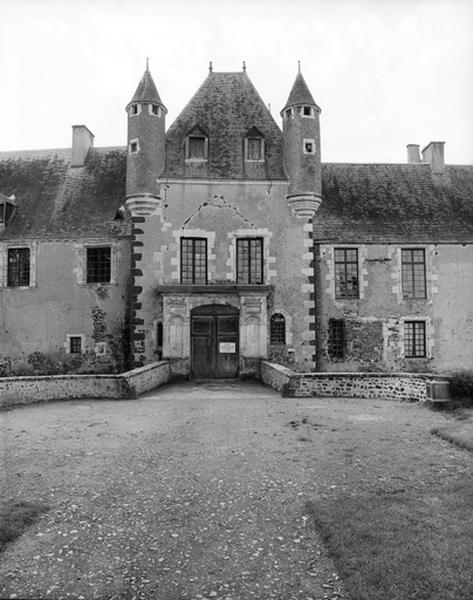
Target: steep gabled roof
300,93
146,90
226,106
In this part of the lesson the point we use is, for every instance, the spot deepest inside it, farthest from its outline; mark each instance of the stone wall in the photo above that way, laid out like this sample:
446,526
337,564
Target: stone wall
388,386
27,390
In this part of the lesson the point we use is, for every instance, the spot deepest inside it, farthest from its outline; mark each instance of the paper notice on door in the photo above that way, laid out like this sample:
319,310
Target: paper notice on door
227,347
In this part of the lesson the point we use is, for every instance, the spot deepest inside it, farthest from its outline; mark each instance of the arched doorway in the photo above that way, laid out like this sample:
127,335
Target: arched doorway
214,341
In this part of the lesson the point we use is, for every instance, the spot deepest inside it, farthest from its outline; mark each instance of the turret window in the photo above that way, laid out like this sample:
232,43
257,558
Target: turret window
288,113
133,147
154,109
308,111
135,109
308,146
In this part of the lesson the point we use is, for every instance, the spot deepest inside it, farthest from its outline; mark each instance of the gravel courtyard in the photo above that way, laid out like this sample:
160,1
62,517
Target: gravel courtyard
199,490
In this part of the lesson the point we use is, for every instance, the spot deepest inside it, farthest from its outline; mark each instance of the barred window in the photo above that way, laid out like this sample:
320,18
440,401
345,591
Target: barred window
414,339
336,338
18,267
250,260
277,329
75,344
197,147
99,264
346,273
413,273
194,260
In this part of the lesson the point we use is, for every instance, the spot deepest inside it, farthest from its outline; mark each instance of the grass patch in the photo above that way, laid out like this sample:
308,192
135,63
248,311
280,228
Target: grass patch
16,517
402,546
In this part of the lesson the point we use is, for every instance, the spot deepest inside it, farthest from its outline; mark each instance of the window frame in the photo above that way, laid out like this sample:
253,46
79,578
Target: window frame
68,343
306,141
134,142
338,294
97,280
251,276
410,337
183,272
277,321
409,276
20,283
261,149
205,148
336,340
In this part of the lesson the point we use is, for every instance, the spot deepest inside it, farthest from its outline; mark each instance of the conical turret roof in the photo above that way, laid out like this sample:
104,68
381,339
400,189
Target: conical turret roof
146,90
300,93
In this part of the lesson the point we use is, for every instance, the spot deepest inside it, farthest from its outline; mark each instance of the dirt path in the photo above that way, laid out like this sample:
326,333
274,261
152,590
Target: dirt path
199,491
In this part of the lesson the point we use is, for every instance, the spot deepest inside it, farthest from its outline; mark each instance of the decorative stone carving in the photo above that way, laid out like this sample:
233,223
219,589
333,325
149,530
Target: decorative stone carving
304,205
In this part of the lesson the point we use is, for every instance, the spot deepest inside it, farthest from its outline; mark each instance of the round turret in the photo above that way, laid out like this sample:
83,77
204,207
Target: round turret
146,142
301,149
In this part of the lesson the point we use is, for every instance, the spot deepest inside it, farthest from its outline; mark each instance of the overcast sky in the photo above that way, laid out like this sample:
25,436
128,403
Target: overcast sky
385,72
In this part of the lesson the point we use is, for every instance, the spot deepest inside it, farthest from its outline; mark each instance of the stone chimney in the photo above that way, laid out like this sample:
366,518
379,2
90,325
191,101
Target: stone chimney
413,154
434,155
82,141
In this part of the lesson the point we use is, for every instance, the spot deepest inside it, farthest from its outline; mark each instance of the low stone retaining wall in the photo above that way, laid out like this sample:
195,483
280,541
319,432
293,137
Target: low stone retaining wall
390,386
26,390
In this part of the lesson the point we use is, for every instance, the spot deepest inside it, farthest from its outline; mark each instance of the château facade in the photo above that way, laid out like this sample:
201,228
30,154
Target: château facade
223,240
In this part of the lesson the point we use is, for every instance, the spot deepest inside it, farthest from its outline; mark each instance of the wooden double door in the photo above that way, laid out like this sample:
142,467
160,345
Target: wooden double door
214,341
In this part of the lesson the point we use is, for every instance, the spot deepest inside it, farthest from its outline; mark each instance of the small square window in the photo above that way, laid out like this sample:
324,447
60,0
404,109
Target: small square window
133,147
307,111
309,146
75,344
154,109
134,109
288,113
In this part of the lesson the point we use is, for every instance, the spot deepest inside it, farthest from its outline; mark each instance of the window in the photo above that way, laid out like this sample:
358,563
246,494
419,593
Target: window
277,332
308,111
134,109
193,260
18,267
288,113
250,260
414,339
197,147
413,273
254,148
75,344
154,109
336,339
346,273
309,146
134,147
99,265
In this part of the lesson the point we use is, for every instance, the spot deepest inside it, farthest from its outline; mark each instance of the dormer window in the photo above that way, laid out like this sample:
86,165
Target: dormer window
254,145
7,208
197,143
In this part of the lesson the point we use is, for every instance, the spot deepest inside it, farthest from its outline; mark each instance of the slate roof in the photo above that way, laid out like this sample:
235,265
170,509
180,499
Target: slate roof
226,106
56,201
146,90
365,203
300,93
